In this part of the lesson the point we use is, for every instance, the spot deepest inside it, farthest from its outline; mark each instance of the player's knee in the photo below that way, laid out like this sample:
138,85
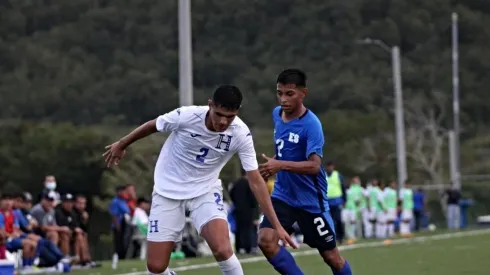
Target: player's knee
333,259
222,252
268,239
156,266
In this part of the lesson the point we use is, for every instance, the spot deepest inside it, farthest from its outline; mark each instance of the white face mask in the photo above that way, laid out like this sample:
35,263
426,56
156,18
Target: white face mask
51,185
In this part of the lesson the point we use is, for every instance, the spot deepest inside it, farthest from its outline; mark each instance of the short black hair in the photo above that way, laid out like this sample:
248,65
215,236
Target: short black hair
7,196
142,200
292,76
228,97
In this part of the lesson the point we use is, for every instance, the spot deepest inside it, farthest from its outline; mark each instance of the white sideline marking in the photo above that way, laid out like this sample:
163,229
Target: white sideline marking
342,248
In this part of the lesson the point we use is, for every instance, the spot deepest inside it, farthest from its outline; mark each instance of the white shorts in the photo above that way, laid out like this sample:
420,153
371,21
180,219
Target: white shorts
381,217
371,214
167,216
407,214
348,215
391,214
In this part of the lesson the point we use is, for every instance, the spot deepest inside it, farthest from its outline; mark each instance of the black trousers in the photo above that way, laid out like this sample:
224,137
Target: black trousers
418,215
244,237
336,213
121,240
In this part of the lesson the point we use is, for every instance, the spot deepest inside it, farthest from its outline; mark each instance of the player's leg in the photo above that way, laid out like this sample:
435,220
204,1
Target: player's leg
282,261
369,222
390,223
406,219
381,225
210,219
166,223
319,231
353,224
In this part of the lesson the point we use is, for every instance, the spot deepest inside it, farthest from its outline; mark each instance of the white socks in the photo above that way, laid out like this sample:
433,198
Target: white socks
231,266
166,272
368,229
380,231
391,230
404,228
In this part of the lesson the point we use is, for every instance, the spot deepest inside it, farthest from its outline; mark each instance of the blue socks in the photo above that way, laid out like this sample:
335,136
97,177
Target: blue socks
284,263
27,261
344,271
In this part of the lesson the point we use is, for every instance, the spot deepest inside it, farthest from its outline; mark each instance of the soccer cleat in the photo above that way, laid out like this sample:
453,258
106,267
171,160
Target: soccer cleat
172,272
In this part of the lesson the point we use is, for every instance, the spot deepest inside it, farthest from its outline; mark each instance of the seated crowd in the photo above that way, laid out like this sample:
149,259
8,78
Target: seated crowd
46,234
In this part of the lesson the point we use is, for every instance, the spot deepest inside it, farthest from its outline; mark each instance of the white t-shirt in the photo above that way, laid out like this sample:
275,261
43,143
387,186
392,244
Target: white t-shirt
140,216
192,157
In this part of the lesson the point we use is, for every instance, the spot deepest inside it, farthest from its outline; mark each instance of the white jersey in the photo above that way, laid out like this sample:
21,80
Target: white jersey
192,157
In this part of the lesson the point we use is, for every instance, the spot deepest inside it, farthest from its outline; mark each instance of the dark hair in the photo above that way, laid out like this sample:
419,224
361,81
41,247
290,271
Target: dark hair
7,196
228,97
292,76
142,200
77,196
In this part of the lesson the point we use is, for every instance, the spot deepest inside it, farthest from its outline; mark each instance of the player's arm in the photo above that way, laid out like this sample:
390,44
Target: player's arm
164,123
310,167
248,157
314,154
261,193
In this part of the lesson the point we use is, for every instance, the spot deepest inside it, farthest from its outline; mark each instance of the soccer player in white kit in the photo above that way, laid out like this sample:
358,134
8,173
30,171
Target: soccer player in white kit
202,140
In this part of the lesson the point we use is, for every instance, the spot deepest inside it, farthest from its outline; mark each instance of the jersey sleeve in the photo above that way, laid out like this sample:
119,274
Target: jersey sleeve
169,121
315,139
246,152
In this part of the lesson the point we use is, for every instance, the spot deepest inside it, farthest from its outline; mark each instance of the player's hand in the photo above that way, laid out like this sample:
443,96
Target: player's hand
115,152
286,238
270,167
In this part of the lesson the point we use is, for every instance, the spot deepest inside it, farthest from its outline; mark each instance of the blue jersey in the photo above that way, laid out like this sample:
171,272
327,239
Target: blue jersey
296,140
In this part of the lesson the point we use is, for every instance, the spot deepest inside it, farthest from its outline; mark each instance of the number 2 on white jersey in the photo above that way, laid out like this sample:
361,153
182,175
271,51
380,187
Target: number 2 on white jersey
280,145
320,224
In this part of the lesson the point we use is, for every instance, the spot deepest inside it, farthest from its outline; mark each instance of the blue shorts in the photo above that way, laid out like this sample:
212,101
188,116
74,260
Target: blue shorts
15,244
317,228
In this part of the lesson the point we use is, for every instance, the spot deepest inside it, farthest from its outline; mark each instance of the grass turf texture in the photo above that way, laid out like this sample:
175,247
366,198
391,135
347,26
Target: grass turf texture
434,254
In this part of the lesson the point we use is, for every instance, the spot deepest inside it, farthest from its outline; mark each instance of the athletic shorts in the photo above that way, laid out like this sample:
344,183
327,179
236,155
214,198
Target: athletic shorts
391,214
407,214
317,228
167,216
349,216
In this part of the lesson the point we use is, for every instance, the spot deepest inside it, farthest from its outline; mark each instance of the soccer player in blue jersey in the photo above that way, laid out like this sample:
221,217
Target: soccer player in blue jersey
300,190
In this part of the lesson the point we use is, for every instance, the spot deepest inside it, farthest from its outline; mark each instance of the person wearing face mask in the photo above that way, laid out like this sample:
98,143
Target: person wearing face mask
50,186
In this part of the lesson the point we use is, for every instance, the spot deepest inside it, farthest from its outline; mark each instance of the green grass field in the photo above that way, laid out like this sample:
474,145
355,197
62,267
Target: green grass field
458,253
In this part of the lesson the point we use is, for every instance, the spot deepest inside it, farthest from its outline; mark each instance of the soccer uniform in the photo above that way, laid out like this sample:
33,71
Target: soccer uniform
187,170
374,205
298,197
406,196
351,208
390,200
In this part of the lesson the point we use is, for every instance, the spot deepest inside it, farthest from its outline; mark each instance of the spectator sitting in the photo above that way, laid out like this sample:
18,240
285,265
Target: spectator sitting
65,216
81,216
22,204
10,226
44,214
81,213
47,252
